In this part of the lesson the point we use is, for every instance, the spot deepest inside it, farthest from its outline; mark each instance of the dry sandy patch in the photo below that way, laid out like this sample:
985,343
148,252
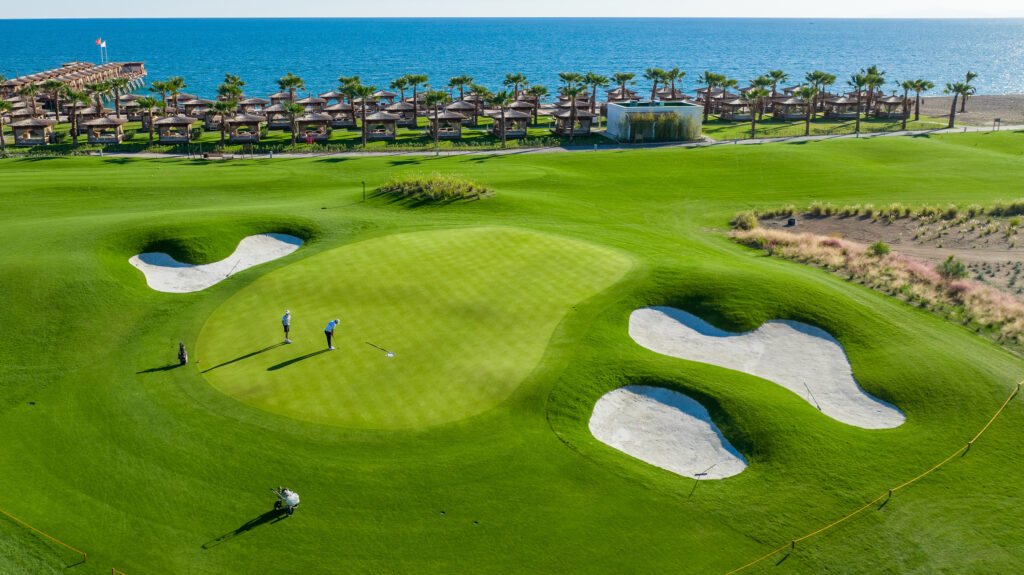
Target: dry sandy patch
802,358
666,429
166,274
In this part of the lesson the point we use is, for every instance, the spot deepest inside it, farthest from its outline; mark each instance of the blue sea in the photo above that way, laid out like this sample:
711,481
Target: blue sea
379,50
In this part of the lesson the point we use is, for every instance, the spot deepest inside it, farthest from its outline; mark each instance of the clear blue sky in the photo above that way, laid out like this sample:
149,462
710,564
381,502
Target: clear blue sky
495,8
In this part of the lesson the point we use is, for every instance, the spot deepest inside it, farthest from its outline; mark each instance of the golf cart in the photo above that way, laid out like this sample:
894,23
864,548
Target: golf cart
286,499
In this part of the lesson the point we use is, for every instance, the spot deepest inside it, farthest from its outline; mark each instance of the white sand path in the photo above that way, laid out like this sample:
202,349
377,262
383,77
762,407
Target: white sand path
802,358
666,429
166,274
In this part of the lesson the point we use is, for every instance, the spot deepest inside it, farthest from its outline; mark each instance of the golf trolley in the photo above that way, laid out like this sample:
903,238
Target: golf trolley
286,499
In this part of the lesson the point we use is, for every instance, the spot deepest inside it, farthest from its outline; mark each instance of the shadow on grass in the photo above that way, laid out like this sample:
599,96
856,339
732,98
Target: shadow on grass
272,516
284,364
246,356
167,367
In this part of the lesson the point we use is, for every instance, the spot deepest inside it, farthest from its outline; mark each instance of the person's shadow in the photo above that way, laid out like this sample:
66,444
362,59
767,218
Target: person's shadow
296,360
272,516
246,356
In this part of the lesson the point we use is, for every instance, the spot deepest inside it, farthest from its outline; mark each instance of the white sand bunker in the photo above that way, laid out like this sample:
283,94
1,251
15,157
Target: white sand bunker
666,429
802,358
166,274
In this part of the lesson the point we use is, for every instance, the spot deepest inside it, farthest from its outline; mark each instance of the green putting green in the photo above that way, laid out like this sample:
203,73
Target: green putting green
467,312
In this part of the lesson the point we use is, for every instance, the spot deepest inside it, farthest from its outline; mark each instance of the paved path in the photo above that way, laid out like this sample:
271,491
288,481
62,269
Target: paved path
560,149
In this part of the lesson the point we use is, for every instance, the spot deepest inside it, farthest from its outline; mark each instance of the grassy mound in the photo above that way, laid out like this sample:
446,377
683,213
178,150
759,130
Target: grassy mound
465,336
435,187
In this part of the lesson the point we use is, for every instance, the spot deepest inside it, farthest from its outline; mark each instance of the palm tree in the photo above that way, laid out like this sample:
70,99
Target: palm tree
29,92
74,99
400,84
176,84
875,80
460,82
907,86
54,88
229,91
920,85
146,104
655,75
673,76
290,83
761,82
956,89
294,111
434,99
595,81
4,108
233,80
963,102
754,97
623,78
344,82
807,94
712,81
363,93
225,107
514,80
858,82
814,79
97,90
415,80
572,92
501,100
160,87
777,76
119,86
826,81
537,92
484,93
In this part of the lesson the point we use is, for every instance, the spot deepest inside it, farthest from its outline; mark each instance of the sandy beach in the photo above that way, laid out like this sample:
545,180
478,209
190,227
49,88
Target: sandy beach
981,109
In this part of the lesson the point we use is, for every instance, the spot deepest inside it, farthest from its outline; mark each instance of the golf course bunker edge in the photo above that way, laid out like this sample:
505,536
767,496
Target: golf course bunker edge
467,313
802,358
166,274
667,429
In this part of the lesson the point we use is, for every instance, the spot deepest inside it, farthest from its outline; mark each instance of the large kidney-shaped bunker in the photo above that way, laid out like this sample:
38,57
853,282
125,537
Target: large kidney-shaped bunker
467,314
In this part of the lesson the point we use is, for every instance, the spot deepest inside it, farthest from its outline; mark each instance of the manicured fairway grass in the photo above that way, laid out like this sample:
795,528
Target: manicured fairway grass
151,469
469,313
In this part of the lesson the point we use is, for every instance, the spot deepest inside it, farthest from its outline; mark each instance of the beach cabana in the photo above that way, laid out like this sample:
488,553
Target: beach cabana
335,95
465,109
381,126
92,113
734,110
788,109
842,108
385,96
32,132
584,121
244,128
174,129
252,105
406,113
314,127
372,105
193,107
447,125
278,97
312,104
105,130
891,107
277,117
516,123
342,115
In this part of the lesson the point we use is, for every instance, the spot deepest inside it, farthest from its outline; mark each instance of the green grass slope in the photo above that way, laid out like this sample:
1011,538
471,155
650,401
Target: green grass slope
157,471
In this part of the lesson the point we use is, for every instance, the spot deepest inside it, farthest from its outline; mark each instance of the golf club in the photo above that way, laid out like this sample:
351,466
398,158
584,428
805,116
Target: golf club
386,352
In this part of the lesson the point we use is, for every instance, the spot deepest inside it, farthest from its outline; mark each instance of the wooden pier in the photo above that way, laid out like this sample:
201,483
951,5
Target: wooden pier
77,74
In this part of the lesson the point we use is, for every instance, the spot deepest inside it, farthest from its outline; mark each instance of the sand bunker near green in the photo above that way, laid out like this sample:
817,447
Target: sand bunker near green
166,274
468,314
667,429
802,358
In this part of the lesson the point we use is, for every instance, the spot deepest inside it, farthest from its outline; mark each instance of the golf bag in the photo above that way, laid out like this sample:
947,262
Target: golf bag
182,354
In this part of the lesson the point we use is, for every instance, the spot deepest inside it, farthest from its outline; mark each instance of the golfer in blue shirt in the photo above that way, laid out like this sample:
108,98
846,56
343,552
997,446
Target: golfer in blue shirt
329,332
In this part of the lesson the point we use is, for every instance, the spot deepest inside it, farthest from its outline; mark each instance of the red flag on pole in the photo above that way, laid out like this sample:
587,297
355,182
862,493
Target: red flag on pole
99,41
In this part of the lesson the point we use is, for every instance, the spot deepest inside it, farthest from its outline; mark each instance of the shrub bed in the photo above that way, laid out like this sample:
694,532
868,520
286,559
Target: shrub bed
435,187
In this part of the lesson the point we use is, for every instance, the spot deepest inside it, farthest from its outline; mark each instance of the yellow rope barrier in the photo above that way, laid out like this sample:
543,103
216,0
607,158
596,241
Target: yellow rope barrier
792,543
82,553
